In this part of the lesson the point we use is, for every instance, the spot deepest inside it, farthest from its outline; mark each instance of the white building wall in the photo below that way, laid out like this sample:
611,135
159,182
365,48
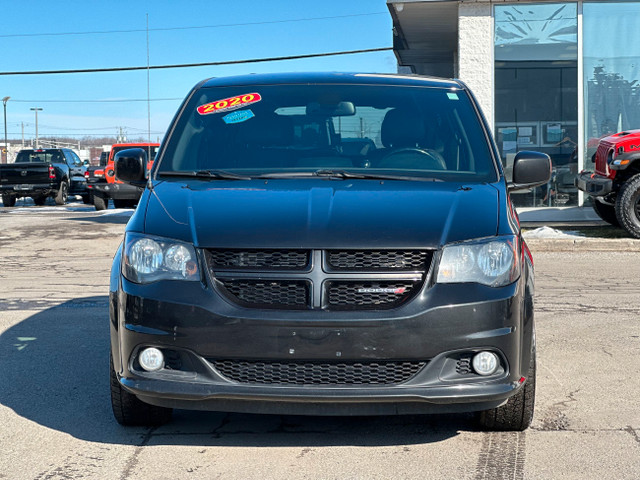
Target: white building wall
475,52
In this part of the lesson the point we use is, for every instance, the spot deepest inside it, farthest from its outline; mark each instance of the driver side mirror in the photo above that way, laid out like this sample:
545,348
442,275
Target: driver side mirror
130,166
530,169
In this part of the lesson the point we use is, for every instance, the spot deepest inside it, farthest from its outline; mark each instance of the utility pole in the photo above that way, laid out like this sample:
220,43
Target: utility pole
36,109
6,145
22,125
122,135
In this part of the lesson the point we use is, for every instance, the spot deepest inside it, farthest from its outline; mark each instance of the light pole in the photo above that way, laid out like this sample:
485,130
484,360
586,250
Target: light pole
36,109
6,146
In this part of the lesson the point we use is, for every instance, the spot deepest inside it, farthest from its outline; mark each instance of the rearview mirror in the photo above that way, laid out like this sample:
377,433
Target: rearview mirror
340,109
130,166
530,169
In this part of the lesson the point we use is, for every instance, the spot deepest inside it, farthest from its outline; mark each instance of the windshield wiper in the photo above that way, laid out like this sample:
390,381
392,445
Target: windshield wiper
370,176
209,174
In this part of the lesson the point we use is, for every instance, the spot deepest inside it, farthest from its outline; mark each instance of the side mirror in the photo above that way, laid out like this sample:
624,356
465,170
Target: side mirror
85,163
130,166
530,169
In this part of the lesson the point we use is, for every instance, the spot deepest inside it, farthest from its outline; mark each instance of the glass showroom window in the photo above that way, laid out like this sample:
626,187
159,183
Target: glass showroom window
536,94
611,71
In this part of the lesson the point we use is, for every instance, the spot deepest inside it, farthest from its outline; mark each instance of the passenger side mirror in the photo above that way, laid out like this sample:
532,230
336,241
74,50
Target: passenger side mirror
130,166
530,169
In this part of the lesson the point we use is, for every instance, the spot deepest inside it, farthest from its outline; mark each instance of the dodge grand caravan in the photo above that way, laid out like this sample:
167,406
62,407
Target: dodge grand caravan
325,244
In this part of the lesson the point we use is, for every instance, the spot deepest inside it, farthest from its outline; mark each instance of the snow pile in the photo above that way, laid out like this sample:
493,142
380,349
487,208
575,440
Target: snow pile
548,232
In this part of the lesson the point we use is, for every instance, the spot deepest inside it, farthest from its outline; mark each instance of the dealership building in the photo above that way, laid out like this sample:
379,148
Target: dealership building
550,76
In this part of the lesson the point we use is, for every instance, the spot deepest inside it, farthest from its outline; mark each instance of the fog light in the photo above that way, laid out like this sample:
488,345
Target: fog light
485,363
151,359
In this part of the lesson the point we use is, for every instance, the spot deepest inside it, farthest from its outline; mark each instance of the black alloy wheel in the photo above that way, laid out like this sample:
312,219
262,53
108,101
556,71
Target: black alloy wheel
63,193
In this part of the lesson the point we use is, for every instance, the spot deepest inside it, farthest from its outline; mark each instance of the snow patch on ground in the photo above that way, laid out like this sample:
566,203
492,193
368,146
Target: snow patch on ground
34,209
122,212
548,232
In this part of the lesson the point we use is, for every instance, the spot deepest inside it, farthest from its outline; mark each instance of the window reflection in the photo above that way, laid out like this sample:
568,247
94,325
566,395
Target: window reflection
536,96
611,72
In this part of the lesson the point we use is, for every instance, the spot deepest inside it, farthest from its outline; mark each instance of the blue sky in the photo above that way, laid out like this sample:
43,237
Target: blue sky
25,46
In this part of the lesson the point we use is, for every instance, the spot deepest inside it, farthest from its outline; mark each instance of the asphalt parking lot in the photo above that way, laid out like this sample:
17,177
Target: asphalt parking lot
54,395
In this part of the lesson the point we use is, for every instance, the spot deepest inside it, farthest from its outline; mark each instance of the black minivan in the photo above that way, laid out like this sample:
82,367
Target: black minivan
325,244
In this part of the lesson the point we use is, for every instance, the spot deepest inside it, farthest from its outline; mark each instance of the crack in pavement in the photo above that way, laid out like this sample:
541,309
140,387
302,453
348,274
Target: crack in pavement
630,430
133,460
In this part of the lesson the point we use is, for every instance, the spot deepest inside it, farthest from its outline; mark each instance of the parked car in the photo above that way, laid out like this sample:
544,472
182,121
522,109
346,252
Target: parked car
95,174
106,186
615,186
43,173
268,269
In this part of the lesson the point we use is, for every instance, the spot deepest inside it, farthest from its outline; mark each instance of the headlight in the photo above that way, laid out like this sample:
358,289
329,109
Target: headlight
492,261
149,259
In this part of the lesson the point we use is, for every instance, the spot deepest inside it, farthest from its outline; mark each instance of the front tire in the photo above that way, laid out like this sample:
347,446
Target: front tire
517,413
63,193
100,201
628,206
129,410
606,212
8,200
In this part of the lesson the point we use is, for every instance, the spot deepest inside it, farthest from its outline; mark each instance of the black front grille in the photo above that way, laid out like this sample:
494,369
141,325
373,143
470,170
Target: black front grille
259,259
319,279
269,294
395,260
368,295
316,373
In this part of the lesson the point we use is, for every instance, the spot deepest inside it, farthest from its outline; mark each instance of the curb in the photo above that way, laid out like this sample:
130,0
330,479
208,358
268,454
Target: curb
583,244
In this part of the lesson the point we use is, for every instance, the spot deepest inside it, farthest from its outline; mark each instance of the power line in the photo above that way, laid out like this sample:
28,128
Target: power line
123,100
55,34
203,64
77,134
94,129
83,129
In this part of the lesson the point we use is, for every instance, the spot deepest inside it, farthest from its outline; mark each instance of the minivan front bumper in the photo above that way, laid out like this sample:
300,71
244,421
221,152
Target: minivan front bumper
440,328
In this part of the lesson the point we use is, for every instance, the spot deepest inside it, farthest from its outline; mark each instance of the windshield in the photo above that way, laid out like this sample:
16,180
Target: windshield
151,150
365,129
46,156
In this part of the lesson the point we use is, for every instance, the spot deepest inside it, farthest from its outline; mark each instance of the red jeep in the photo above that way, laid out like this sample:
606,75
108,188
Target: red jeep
615,185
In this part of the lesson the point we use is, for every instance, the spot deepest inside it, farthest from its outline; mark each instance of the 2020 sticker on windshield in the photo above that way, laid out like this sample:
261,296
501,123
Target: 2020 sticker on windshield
228,104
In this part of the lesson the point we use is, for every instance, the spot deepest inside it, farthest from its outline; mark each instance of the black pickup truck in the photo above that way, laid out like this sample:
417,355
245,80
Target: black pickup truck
43,173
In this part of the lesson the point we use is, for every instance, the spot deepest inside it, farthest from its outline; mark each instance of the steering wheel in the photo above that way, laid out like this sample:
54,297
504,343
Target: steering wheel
436,160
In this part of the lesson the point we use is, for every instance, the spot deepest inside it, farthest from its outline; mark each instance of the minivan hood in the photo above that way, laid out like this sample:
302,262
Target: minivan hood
321,213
